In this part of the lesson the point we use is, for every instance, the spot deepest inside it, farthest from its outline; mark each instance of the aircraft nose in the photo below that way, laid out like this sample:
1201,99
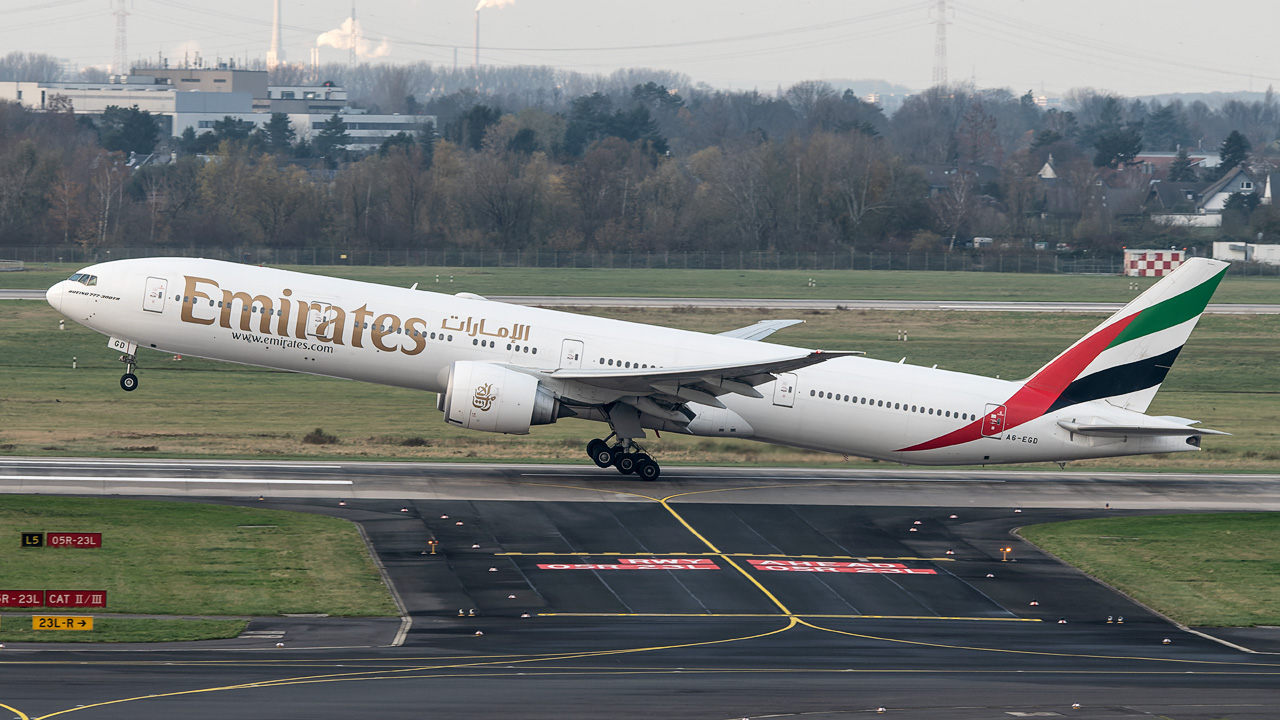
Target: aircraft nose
54,295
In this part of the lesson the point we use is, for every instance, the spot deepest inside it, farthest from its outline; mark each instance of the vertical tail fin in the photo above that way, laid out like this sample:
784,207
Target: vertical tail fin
1126,358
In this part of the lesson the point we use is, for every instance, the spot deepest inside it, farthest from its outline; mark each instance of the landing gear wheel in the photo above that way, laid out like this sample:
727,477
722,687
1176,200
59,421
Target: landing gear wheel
647,469
627,462
601,454
128,382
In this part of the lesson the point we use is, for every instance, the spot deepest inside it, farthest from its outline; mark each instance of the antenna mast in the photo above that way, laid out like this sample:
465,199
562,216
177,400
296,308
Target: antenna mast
940,23
351,52
121,65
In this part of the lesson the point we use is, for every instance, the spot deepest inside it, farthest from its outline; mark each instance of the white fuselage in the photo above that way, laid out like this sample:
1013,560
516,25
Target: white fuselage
410,338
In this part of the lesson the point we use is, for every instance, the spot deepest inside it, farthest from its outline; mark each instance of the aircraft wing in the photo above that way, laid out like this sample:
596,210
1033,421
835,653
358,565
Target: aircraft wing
760,330
697,383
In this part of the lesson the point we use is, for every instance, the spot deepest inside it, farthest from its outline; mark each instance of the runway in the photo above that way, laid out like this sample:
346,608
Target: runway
827,593
558,301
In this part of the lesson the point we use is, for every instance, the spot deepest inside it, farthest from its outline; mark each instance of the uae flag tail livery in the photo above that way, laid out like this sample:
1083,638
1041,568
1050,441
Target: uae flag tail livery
1100,387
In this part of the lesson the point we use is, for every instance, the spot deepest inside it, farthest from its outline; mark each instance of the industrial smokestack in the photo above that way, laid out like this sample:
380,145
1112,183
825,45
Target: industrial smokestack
275,56
475,60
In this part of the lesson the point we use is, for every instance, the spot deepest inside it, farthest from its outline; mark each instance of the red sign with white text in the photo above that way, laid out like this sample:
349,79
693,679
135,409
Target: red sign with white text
868,568
76,598
21,598
666,561
639,564
73,539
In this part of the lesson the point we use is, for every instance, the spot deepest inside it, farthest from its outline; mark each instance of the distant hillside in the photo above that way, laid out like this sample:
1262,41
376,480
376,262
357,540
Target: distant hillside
1213,99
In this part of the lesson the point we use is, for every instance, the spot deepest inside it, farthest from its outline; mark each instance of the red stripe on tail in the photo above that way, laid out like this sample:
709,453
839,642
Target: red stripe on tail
1037,394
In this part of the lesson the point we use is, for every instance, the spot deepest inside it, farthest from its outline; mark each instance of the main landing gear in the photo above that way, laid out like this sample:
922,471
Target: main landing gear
129,381
626,455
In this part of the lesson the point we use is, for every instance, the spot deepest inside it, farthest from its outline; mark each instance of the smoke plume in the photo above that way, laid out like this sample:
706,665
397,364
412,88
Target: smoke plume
342,37
493,4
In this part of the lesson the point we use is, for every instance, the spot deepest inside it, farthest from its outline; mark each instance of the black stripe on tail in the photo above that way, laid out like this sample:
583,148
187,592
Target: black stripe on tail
1120,380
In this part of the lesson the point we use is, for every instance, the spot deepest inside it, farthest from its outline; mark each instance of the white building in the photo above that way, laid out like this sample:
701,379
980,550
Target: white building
307,107
1246,252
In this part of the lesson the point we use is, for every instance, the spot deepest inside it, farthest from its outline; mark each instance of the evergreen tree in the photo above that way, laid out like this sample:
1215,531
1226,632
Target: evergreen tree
1181,170
469,129
402,140
1233,151
1165,128
332,138
427,141
278,134
128,130
1117,147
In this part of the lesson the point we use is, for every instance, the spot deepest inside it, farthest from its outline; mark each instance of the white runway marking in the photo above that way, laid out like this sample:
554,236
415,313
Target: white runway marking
150,463
823,478
227,481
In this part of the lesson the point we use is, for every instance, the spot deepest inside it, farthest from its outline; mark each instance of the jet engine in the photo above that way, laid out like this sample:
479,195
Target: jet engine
491,398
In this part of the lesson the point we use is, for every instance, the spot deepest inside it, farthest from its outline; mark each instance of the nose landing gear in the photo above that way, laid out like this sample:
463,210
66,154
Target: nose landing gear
626,455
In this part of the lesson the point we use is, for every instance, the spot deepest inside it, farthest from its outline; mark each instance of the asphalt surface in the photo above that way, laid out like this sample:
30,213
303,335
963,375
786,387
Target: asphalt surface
886,600
552,301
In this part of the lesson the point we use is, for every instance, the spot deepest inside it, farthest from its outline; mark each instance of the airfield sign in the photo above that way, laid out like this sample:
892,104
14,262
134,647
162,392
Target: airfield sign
61,622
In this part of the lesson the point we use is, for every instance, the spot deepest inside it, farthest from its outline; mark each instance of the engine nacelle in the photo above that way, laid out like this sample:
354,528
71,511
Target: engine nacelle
491,398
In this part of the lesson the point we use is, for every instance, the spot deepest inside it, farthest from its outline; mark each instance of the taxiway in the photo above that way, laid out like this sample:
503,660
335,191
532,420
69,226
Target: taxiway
823,593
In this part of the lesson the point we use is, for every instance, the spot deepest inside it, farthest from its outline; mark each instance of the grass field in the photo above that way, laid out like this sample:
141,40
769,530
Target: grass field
1228,377
174,558
830,284
1201,570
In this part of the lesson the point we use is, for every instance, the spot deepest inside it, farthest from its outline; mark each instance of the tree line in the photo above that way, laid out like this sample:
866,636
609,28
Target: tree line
640,165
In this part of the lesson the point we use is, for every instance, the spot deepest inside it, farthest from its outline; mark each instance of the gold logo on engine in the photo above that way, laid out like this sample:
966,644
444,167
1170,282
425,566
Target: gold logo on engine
484,397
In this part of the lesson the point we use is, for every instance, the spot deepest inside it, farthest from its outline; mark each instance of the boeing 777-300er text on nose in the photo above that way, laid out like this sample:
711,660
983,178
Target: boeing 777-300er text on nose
504,368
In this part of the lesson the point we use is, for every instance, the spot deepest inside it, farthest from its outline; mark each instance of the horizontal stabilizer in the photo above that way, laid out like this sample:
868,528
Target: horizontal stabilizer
1111,430
760,330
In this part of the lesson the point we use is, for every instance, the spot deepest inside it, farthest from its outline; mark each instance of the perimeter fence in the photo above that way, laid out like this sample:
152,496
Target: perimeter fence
966,261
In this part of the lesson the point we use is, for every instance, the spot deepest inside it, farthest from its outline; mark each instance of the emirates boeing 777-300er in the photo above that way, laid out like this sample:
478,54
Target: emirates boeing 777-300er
503,368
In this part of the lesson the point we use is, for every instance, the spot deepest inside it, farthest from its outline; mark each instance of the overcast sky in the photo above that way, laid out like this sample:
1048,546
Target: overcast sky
1128,46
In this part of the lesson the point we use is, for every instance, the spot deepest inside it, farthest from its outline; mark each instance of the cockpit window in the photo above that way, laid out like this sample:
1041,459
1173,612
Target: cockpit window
84,279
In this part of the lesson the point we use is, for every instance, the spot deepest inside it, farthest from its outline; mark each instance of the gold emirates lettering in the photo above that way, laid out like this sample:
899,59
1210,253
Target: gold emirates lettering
330,329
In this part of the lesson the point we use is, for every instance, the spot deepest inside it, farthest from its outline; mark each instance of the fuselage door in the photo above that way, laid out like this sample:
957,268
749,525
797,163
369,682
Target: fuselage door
153,299
993,421
571,354
784,390
321,319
